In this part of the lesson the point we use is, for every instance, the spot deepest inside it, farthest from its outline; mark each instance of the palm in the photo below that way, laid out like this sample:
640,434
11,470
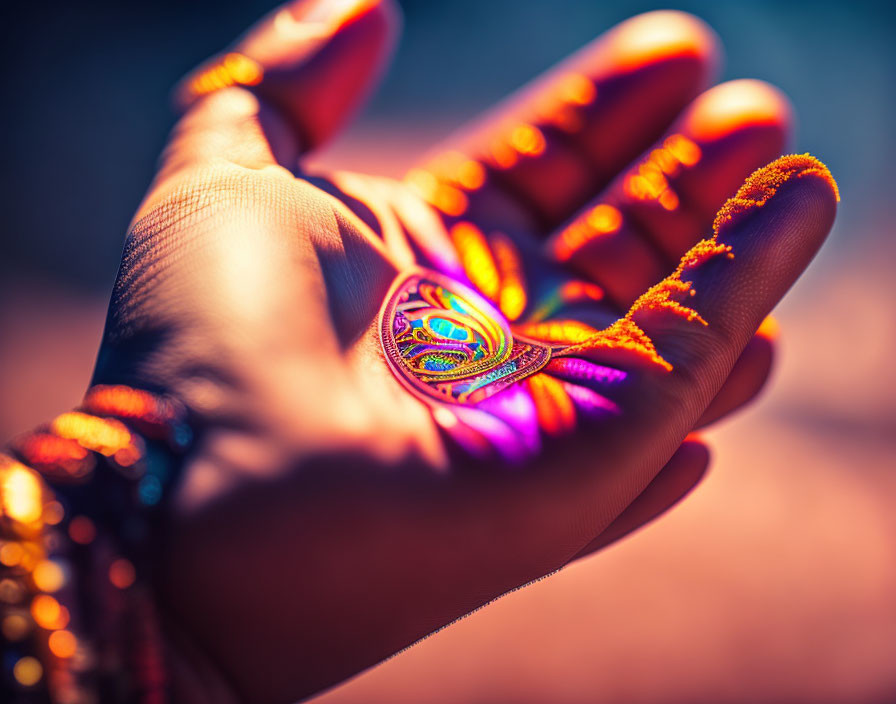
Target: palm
327,516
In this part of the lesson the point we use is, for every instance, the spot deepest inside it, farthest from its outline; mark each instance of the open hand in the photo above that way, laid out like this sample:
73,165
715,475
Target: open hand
334,510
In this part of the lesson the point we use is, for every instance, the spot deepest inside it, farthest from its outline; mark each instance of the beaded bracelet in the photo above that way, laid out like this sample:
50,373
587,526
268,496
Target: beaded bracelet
78,500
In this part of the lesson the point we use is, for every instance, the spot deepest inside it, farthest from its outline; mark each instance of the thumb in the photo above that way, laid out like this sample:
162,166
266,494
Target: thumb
312,61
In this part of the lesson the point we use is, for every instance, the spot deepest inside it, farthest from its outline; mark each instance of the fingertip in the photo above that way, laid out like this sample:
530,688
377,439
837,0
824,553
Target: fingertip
737,105
697,453
314,61
665,34
798,185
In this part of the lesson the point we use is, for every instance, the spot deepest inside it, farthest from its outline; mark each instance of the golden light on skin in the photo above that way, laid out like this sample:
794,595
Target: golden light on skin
734,105
648,181
649,38
27,671
232,69
20,492
512,295
62,644
48,576
683,149
528,140
560,106
669,199
503,154
447,198
471,175
476,258
102,435
602,219
455,167
444,417
423,182
296,29
577,89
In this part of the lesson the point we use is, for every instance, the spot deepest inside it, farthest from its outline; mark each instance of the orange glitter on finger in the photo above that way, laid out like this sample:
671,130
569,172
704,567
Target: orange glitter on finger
669,293
763,183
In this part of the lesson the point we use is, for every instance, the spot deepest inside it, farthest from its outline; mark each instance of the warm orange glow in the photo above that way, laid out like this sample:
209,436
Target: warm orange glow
604,218
577,89
125,402
655,36
20,491
48,613
528,140
763,183
666,296
423,182
682,149
476,258
553,406
11,554
600,220
62,644
733,106
503,154
53,513
81,530
648,180
121,573
769,329
449,200
560,332
104,435
48,576
27,671
512,295
232,69
14,627
56,456
669,199
471,175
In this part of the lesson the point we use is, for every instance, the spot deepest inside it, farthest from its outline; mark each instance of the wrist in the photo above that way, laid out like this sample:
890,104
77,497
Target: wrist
81,497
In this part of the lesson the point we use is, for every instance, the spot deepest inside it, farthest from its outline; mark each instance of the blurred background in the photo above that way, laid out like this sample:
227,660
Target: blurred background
776,580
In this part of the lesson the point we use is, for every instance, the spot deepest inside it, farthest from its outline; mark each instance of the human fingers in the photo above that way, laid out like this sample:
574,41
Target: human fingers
635,232
676,480
540,155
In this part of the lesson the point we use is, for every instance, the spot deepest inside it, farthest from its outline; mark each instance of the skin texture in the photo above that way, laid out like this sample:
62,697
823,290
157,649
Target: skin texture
323,520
